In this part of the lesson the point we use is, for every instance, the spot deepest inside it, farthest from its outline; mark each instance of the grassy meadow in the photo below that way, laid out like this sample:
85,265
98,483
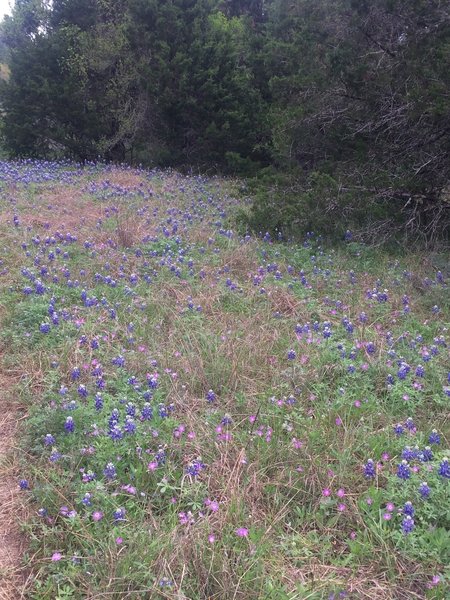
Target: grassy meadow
213,415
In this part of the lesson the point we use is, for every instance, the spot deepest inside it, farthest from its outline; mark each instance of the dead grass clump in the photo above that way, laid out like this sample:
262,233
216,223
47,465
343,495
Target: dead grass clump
122,177
285,303
241,260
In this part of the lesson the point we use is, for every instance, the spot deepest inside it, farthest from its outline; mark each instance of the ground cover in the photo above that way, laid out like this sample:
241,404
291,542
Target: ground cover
209,414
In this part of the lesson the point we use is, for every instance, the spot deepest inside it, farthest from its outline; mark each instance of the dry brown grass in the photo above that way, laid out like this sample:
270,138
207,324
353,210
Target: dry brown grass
12,542
123,177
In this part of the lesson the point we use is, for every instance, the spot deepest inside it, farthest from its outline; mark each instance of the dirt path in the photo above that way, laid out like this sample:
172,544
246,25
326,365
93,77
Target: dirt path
12,543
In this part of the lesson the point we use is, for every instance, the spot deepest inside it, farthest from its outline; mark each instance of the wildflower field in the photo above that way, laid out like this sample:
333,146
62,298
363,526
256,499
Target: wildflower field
206,414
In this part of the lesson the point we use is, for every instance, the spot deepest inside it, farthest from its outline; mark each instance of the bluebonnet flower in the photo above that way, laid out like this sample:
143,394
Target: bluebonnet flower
409,424
44,328
407,525
24,485
110,471
119,515
426,455
369,469
398,429
130,409
49,439
160,457
118,361
115,433
114,417
76,373
434,437
82,391
210,396
195,467
409,453
424,490
327,333
420,371
163,411
226,420
152,381
98,401
69,425
403,370
146,412
408,509
444,468
403,470
130,425
87,499
89,476
55,456
291,354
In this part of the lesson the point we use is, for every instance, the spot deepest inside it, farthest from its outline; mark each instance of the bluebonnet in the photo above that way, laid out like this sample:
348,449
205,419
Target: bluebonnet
161,457
403,470
195,467
55,456
407,525
434,437
369,469
98,401
110,471
424,490
409,453
426,455
76,373
49,439
119,515
146,412
130,409
210,396
118,361
130,425
409,424
87,499
398,429
444,469
69,425
420,371
408,509
116,433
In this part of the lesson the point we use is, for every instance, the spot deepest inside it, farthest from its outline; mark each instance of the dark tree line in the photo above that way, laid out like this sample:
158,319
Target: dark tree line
340,107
